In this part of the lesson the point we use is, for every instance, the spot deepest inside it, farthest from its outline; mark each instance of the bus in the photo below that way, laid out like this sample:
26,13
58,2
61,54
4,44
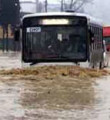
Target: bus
62,37
106,36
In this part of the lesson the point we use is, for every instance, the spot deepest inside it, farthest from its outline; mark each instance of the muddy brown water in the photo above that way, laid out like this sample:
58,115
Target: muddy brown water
15,103
15,96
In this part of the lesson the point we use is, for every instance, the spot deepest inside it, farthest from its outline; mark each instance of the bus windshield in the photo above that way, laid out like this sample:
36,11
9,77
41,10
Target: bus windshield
55,42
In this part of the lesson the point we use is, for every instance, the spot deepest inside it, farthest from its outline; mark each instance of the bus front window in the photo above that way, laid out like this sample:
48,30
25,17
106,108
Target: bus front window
56,42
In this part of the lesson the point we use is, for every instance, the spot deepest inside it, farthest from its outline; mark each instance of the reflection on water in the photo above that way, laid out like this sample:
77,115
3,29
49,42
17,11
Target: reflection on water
24,100
57,93
102,105
9,101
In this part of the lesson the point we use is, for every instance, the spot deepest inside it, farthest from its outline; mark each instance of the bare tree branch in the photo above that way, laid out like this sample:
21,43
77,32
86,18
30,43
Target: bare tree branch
73,4
79,7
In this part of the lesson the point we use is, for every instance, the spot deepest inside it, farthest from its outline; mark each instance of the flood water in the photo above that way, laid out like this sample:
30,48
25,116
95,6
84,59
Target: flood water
14,106
15,99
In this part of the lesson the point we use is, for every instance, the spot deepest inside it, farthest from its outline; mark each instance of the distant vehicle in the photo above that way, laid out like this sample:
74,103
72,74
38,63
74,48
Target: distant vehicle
62,37
106,36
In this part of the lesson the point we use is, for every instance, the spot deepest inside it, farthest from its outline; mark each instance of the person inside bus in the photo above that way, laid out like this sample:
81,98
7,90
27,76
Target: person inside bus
52,45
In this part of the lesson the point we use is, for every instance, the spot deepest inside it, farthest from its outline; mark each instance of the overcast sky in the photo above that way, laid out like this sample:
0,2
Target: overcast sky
50,1
99,9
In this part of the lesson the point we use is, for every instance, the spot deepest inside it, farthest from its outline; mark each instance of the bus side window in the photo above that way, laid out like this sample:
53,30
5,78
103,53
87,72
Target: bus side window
91,34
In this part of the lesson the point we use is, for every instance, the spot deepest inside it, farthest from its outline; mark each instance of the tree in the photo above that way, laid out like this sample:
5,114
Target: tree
74,5
10,11
9,14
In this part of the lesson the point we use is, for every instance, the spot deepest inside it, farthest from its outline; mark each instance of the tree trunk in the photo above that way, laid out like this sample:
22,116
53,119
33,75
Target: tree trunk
46,4
62,5
7,39
3,40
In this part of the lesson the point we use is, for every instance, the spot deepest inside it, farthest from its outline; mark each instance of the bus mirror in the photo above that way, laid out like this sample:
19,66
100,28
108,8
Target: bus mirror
17,35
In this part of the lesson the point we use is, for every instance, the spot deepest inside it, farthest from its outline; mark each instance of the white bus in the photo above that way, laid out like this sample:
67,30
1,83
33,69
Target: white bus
62,37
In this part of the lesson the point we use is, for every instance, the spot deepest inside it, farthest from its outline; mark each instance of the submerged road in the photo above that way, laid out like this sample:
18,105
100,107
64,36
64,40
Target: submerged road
16,105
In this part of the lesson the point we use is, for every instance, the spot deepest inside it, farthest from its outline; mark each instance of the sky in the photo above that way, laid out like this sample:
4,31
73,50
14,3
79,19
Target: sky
99,9
50,1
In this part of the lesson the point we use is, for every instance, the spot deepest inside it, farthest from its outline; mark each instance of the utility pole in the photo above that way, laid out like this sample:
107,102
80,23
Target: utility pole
71,4
46,4
62,4
37,3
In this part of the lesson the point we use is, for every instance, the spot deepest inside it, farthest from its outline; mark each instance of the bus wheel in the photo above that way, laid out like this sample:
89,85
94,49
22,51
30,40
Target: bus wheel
93,66
101,66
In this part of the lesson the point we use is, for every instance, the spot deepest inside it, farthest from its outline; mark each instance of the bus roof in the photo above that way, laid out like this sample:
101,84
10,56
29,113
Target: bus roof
89,18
